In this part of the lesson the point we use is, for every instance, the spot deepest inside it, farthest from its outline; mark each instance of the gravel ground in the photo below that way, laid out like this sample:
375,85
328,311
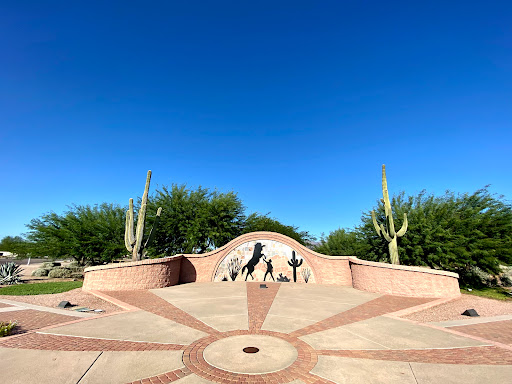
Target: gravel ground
75,297
453,309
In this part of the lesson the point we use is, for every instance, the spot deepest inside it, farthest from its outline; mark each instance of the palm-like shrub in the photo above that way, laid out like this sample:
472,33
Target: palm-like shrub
10,273
6,328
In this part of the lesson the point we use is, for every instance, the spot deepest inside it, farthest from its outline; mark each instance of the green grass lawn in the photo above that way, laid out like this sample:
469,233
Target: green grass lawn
490,293
40,288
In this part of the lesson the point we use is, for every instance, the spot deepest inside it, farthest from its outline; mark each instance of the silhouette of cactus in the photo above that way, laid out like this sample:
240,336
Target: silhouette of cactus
234,266
306,274
294,263
390,235
134,242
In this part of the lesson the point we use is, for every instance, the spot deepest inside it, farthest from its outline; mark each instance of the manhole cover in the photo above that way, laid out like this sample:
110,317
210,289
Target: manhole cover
250,349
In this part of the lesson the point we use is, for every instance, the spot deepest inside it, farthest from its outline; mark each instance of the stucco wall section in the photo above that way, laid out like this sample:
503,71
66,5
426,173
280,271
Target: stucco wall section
145,274
402,282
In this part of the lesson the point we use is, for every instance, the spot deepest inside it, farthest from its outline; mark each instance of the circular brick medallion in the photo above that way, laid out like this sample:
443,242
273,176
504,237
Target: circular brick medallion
300,360
273,354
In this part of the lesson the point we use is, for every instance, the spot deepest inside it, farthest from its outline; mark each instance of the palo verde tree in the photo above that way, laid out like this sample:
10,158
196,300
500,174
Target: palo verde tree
89,234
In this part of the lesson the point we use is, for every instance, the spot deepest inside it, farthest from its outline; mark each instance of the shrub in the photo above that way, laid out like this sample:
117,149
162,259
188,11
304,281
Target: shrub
10,273
6,328
40,272
50,264
59,273
77,275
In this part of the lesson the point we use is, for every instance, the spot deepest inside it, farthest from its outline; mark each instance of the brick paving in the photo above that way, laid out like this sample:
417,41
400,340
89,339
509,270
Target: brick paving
487,355
150,302
500,331
165,378
368,310
259,301
49,342
30,319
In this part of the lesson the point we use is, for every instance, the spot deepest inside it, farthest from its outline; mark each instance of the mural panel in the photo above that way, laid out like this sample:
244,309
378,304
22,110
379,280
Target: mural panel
264,260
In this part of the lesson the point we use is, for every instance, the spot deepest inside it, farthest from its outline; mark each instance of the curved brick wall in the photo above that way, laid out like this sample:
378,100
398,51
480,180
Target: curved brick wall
144,274
336,270
403,280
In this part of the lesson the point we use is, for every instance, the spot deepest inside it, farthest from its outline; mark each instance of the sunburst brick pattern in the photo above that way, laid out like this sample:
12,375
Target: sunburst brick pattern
373,308
259,302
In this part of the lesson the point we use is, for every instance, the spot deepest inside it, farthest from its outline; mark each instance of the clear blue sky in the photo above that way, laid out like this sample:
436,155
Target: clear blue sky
293,105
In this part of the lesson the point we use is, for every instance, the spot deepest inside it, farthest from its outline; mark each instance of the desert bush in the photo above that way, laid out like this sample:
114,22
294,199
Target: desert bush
59,273
10,273
50,264
6,328
40,272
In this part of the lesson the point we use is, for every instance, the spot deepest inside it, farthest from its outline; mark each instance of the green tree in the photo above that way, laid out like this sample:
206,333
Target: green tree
16,245
90,235
200,220
343,242
194,221
258,222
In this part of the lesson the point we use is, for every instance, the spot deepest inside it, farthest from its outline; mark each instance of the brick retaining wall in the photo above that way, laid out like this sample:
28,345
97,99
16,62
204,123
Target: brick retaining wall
335,270
144,274
403,280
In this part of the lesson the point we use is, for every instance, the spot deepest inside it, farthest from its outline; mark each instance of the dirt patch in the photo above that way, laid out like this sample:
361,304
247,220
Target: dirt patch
76,297
453,309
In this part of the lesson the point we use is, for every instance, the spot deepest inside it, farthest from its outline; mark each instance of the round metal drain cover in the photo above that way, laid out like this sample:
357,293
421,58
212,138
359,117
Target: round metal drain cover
250,349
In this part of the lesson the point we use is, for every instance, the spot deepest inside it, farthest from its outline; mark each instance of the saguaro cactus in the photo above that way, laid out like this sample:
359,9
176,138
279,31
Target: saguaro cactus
389,233
133,242
294,263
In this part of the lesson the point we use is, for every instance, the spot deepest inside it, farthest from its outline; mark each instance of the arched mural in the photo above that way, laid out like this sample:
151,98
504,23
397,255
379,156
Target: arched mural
264,260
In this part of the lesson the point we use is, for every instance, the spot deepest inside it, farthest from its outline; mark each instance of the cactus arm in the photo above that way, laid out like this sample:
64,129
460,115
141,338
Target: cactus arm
375,224
290,264
127,243
402,230
129,238
385,234
300,263
155,224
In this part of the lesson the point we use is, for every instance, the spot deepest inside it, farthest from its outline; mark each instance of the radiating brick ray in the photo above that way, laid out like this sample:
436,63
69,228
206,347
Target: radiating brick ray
259,301
487,355
152,303
49,342
165,378
500,331
31,319
373,308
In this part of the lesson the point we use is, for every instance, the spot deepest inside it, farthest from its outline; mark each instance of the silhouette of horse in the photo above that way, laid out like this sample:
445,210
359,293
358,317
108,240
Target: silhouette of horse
256,256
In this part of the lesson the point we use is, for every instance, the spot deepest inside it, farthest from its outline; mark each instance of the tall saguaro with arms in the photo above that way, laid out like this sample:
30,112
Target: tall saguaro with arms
389,233
133,241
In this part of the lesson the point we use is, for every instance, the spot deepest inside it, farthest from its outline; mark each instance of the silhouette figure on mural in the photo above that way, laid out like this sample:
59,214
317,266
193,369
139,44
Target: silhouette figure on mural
256,256
270,268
